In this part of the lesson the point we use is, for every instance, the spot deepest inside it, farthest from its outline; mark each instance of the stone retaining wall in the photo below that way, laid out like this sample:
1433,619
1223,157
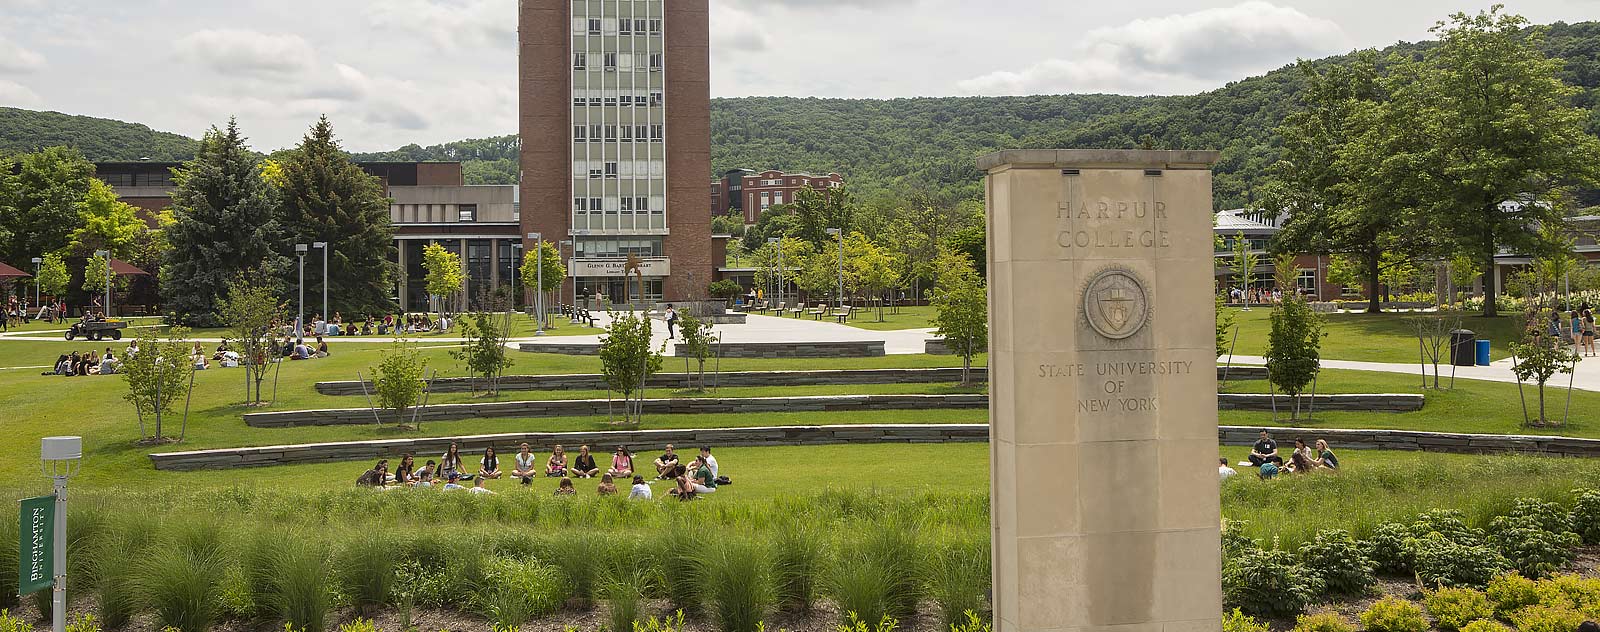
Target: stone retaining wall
597,407
813,403
842,349
1237,372
562,348
647,441
1371,403
643,441
593,382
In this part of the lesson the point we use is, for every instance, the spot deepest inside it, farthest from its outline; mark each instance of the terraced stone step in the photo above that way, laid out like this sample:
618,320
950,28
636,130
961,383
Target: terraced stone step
595,382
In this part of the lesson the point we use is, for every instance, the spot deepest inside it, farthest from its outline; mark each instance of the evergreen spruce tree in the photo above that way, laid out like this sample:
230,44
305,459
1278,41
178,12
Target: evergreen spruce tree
222,227
328,198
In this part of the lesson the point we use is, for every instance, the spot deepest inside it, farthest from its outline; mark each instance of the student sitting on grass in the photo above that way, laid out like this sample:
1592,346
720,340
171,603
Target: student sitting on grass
709,461
1263,450
1223,471
682,488
556,465
375,477
1300,464
565,488
453,483
525,465
406,473
666,463
607,486
322,348
1325,457
641,489
478,488
425,476
108,363
62,367
703,479
621,463
491,464
1270,468
450,463
584,466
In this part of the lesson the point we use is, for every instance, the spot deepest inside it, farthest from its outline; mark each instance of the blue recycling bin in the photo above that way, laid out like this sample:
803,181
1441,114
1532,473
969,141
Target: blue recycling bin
1483,353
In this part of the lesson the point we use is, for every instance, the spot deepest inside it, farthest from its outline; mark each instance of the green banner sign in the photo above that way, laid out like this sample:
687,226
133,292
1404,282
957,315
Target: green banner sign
36,535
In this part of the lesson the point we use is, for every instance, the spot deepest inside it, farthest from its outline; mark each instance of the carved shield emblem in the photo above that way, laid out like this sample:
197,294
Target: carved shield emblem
1115,303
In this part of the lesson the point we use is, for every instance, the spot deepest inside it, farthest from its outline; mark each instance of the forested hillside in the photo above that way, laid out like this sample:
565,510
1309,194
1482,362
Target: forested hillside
899,146
97,138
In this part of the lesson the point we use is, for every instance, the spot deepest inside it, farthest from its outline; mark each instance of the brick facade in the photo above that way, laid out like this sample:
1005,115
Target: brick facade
751,192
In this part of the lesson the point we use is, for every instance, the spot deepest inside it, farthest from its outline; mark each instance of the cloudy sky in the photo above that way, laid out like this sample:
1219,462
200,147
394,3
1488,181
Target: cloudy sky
391,72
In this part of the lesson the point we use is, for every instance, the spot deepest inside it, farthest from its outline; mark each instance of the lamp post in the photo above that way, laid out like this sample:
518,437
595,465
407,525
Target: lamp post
59,459
38,269
777,285
538,298
840,234
300,321
568,244
324,246
106,254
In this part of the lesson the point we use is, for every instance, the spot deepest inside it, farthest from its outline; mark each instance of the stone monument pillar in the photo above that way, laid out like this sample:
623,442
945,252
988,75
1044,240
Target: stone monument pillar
1103,391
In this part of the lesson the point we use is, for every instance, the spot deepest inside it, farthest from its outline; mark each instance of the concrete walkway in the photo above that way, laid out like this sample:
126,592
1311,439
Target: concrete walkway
757,328
1587,377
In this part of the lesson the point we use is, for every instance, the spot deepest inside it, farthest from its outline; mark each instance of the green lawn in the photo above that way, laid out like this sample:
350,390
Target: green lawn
907,317
1387,337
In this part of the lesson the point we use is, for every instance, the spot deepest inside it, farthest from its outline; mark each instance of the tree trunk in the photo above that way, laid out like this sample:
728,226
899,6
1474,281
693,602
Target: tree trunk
1490,293
1541,403
1374,303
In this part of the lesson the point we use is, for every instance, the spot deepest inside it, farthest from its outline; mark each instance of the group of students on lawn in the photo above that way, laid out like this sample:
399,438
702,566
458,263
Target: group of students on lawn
1264,457
699,476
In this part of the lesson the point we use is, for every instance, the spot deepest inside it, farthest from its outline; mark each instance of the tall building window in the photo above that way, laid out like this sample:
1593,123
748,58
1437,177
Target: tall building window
655,62
1306,281
580,60
627,204
580,204
611,170
611,64
594,26
580,96
611,133
611,96
657,133
595,173
579,133
655,27
641,132
467,213
639,26
625,27
594,133
643,203
627,134
655,97
594,205
777,198
766,200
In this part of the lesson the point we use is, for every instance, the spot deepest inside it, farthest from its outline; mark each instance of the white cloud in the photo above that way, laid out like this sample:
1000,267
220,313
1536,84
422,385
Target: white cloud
16,59
736,31
451,24
1174,53
13,94
240,51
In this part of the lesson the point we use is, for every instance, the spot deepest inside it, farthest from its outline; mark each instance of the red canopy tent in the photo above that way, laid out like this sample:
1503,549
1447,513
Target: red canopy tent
8,272
123,268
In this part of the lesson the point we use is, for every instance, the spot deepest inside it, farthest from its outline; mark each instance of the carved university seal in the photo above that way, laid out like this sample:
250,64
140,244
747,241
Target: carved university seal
1116,304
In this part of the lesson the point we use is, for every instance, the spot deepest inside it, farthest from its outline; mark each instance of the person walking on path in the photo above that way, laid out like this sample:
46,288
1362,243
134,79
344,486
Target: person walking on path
672,321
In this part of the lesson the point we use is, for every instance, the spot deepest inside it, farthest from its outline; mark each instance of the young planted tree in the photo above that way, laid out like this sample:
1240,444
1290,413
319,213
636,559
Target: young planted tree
961,315
627,360
874,269
1224,325
553,268
53,276
95,273
1244,263
1540,356
398,378
1285,273
696,346
250,310
443,275
158,375
483,349
1294,348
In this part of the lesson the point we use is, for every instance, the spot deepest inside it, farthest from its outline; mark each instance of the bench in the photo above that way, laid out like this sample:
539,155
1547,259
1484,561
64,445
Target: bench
817,312
842,315
797,310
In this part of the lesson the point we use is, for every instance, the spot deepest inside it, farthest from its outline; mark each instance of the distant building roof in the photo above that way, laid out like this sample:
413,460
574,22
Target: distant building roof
1234,221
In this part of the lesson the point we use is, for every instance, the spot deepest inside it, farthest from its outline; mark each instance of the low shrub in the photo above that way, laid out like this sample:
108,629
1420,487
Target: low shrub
359,625
84,623
797,560
9,623
1453,608
581,557
1485,625
1389,549
516,590
972,623
1234,541
1447,523
366,568
1268,582
1532,549
1569,591
958,577
1541,618
679,547
1338,559
1393,614
669,624
233,594
113,563
1322,622
1237,621
1511,592
1585,515
859,589
8,561
300,587
623,594
738,590
1547,515
1441,562
857,624
892,546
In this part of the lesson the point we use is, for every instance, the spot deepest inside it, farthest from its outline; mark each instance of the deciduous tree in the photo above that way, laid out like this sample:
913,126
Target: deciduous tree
1294,348
961,311
442,268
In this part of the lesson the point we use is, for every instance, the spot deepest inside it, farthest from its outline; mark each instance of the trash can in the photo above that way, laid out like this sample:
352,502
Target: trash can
1483,353
1463,349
